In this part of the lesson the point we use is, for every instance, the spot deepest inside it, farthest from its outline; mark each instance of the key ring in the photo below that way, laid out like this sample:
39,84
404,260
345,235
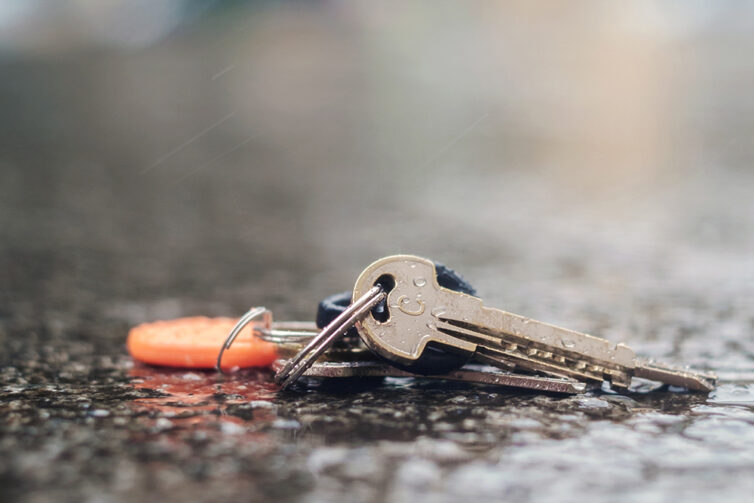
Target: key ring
251,315
299,332
290,332
319,344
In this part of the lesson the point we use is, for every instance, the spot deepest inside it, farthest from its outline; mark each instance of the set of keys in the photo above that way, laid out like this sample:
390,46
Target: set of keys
409,325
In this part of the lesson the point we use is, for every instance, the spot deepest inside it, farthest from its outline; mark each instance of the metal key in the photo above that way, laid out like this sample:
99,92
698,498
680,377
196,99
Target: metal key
421,312
358,363
350,359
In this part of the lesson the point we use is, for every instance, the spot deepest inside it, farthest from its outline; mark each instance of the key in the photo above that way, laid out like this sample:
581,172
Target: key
359,363
421,313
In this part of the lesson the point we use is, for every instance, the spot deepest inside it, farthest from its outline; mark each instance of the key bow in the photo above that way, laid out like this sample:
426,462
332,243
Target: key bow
413,308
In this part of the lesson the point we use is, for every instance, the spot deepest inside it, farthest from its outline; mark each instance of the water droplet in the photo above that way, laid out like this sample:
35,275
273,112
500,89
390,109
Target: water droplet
405,301
438,311
431,325
412,266
420,282
567,343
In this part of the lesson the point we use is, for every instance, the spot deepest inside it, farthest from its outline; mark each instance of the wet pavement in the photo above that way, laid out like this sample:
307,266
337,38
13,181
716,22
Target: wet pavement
587,172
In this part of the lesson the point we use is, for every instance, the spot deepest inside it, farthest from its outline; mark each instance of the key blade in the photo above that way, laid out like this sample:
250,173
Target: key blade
682,378
540,347
469,374
500,324
542,358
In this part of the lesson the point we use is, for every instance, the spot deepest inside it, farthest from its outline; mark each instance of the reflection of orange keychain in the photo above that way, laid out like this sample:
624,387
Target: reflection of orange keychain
194,343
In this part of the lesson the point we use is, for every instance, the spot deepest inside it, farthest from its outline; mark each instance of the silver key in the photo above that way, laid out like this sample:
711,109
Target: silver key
423,312
361,363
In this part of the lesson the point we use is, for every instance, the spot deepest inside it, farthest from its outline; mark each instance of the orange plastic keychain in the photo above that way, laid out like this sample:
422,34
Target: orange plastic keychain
194,342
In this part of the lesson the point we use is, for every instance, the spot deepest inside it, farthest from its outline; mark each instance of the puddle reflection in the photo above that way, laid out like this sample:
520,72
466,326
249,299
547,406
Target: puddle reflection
241,403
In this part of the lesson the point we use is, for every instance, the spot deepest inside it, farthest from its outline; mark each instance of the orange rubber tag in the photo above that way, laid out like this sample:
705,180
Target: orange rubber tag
194,343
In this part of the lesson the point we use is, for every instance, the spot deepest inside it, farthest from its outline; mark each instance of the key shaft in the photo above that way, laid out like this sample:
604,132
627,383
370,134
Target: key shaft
489,376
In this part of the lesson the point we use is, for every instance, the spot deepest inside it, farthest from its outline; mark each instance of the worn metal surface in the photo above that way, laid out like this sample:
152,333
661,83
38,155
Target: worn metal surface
586,165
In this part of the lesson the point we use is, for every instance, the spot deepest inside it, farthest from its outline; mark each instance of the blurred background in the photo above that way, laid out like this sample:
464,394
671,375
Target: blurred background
586,163
195,148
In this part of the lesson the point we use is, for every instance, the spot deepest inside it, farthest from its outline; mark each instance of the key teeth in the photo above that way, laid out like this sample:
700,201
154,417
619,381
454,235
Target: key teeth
624,355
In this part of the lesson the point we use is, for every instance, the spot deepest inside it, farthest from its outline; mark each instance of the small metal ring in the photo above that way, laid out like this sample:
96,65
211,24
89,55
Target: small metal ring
251,315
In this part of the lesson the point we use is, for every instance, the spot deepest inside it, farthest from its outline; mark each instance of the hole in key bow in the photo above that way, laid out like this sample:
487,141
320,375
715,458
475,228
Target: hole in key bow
380,311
